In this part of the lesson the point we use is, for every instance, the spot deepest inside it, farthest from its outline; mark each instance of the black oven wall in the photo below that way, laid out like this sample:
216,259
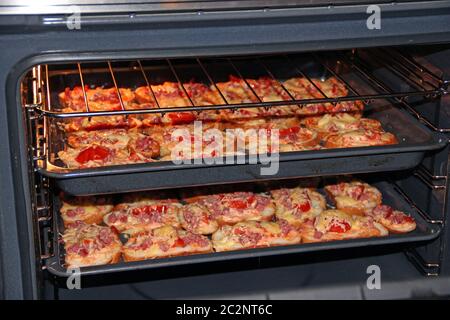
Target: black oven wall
30,40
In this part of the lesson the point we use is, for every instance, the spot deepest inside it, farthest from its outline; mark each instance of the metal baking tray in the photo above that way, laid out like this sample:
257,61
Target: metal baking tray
414,138
425,231
414,141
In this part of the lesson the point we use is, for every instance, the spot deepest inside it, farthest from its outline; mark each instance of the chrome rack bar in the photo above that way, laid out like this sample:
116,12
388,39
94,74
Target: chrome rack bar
412,204
47,84
378,83
414,64
388,65
211,80
148,83
179,82
427,269
122,106
390,62
269,72
441,84
323,63
385,94
374,83
42,148
429,174
423,176
224,106
301,73
82,88
410,64
37,94
39,185
242,78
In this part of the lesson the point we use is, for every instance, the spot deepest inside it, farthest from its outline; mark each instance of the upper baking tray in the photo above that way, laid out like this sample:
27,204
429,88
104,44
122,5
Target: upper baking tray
414,138
425,231
414,141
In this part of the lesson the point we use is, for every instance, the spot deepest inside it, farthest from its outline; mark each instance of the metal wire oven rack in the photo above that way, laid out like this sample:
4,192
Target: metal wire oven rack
278,68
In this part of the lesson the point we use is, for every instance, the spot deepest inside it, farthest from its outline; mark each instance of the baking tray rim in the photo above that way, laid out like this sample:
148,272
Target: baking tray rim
55,268
438,141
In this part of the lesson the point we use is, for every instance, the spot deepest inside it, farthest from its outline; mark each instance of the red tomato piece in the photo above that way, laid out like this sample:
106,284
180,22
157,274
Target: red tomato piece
181,117
179,243
340,227
289,131
304,207
92,153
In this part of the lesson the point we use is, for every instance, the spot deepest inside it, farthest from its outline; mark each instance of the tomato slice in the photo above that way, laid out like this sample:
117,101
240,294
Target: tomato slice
408,219
160,208
238,204
104,126
181,117
334,89
205,218
92,153
179,243
340,226
242,204
83,252
304,207
289,131
388,213
239,232
235,79
114,229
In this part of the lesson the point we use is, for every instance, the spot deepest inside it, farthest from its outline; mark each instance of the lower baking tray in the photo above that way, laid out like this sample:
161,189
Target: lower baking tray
414,141
425,231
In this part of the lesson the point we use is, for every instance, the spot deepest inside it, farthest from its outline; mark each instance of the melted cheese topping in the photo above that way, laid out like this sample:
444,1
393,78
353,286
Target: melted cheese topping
298,204
341,121
271,228
346,201
109,138
345,192
146,219
328,218
170,94
360,138
88,207
86,234
166,232
297,87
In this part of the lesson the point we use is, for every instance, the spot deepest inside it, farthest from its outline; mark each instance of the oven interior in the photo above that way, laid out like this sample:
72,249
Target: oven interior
404,88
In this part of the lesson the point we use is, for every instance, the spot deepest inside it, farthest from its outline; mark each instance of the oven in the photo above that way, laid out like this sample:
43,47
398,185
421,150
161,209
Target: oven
75,74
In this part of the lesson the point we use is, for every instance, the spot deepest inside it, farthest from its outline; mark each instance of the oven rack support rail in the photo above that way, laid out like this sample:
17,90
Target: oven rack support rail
423,82
39,184
426,267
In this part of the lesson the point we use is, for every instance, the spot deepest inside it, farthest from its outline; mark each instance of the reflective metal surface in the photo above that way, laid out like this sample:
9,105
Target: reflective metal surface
129,6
